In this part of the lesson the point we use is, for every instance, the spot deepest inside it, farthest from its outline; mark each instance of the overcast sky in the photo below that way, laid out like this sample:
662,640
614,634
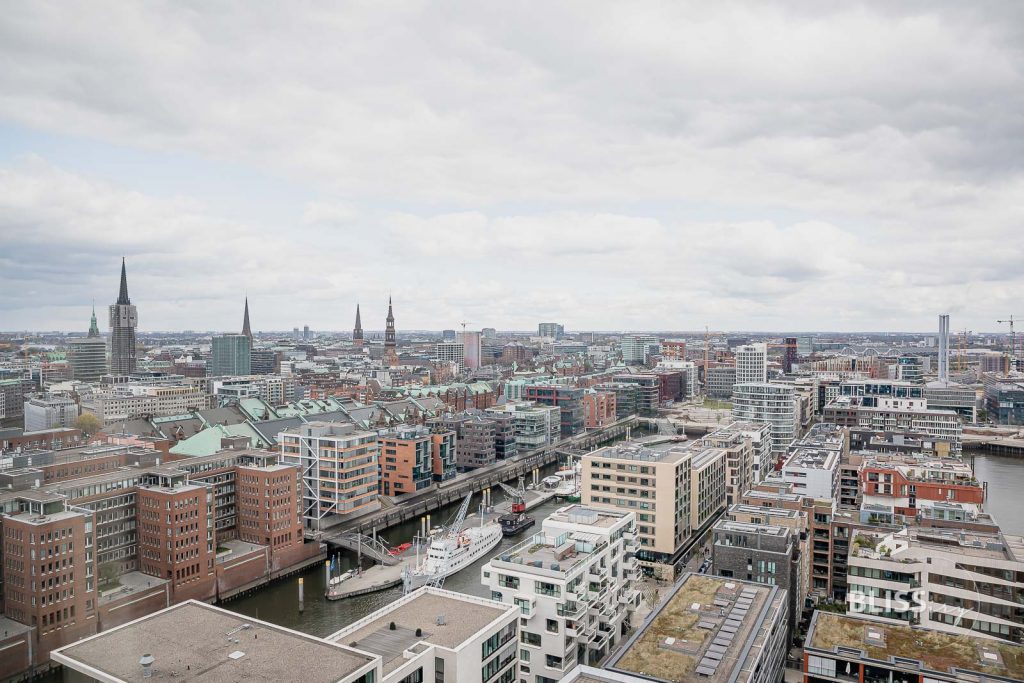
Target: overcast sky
798,166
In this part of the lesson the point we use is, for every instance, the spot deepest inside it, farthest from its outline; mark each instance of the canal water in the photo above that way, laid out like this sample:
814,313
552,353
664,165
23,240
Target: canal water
1005,478
279,602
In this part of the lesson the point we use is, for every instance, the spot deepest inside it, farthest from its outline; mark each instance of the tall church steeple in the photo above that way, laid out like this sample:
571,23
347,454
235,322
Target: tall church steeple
245,321
390,351
122,297
357,331
124,319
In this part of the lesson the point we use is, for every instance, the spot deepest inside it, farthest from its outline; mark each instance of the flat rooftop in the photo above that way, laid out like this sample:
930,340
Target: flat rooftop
193,641
701,632
935,650
583,514
640,453
463,617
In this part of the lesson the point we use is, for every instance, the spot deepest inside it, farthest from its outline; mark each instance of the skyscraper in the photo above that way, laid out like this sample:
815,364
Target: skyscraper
231,355
357,331
246,330
752,363
88,355
123,320
390,352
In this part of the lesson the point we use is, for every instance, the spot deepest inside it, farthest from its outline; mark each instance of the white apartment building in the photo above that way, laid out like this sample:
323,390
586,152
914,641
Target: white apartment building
127,401
745,445
575,586
962,582
338,469
274,389
751,363
535,425
772,404
49,412
812,463
887,414
433,636
636,348
451,352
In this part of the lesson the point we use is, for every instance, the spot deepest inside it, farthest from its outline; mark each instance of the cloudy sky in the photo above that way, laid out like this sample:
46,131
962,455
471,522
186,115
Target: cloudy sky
796,166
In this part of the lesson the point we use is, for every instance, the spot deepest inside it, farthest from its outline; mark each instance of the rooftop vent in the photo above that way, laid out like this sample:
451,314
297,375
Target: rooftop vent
146,661
440,620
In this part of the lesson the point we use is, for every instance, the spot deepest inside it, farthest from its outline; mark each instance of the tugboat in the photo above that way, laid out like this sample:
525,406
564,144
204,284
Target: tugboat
515,523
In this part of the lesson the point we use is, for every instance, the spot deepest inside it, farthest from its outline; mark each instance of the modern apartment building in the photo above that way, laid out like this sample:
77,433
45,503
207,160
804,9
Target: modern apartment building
575,585
406,460
535,425
338,467
751,364
904,484
772,404
550,330
675,493
434,635
443,454
851,648
637,348
896,415
648,392
230,355
946,395
568,399
598,408
762,553
451,353
747,455
708,630
483,437
50,412
719,381
811,467
960,582
1004,398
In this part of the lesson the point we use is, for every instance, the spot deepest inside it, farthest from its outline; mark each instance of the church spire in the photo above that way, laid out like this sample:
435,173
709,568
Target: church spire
357,331
390,352
94,329
245,321
122,297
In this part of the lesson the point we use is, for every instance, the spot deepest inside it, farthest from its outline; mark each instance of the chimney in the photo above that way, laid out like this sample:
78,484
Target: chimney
146,661
944,348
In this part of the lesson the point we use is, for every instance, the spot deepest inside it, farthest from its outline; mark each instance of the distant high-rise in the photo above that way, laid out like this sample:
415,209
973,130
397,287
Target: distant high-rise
357,331
231,355
472,352
246,330
751,363
88,355
552,330
390,350
124,319
789,359
305,333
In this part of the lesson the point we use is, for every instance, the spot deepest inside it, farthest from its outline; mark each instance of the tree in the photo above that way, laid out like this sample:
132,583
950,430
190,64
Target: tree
88,423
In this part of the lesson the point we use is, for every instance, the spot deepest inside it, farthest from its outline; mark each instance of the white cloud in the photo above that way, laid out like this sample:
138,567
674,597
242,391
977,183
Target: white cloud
642,165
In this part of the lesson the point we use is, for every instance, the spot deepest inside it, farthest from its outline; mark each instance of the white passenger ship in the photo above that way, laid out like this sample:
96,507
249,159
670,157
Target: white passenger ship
445,555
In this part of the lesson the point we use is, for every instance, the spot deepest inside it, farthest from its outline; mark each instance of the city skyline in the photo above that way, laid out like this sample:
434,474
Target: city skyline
852,168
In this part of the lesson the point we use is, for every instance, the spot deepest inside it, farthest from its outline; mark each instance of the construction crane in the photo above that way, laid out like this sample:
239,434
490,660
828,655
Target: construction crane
517,497
1013,343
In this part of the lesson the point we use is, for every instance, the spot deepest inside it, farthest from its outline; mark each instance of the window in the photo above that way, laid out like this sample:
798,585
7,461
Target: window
552,626
530,639
821,666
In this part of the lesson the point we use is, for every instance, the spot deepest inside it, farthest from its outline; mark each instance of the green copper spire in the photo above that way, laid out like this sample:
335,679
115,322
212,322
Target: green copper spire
94,330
